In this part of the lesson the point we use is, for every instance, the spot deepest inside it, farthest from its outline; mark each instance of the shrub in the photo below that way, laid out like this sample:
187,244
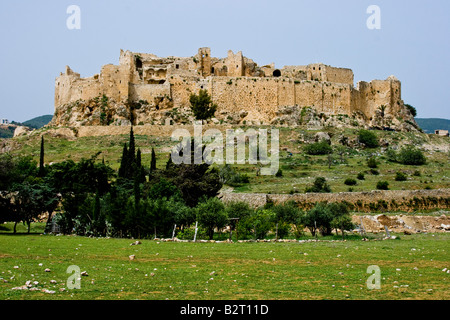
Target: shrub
411,109
320,186
400,176
383,185
372,163
361,176
350,182
374,172
411,156
318,148
230,177
368,138
417,173
279,173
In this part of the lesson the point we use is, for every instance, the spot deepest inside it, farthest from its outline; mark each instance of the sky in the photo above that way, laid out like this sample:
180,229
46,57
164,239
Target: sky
412,43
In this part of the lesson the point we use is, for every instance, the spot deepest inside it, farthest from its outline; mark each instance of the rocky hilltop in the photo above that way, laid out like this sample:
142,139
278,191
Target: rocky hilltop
147,89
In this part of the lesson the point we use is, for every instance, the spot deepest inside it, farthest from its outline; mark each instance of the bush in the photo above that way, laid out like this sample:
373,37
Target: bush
375,172
350,182
411,109
320,186
361,176
279,173
400,176
372,163
383,185
368,138
318,148
188,234
411,156
230,177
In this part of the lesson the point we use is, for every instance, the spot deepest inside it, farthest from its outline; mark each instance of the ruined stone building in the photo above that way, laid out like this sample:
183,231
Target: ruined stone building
145,88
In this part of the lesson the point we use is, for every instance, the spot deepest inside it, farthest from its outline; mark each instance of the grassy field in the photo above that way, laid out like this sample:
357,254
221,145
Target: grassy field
411,268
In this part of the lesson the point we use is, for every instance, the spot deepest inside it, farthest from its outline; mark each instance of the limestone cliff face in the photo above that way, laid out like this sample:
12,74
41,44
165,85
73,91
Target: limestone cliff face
146,89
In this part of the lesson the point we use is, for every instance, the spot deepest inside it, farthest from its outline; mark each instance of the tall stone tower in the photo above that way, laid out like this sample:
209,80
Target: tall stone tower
204,55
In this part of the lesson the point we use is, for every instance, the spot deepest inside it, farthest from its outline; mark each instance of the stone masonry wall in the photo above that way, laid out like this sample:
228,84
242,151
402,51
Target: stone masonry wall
373,201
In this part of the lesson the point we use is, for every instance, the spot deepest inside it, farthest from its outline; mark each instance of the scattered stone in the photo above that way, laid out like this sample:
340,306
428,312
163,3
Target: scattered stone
132,257
47,270
84,274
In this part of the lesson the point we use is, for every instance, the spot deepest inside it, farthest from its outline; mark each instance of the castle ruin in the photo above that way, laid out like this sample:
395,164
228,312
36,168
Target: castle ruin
145,88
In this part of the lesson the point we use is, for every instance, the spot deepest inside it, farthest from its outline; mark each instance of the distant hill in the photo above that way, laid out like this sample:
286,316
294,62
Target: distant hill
38,122
7,131
432,124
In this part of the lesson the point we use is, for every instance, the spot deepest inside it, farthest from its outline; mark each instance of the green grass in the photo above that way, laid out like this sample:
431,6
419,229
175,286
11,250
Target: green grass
203,271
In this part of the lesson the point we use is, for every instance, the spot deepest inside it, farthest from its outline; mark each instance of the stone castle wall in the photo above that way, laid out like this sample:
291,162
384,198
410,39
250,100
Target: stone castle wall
235,84
372,201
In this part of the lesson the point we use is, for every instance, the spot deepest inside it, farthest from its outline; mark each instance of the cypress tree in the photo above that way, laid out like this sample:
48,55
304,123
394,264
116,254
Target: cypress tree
131,171
41,159
140,171
153,161
138,158
132,148
124,162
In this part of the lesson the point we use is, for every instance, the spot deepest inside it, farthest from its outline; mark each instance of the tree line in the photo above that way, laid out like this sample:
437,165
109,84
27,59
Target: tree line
139,201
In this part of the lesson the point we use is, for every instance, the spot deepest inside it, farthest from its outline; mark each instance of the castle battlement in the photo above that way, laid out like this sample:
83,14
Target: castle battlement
235,83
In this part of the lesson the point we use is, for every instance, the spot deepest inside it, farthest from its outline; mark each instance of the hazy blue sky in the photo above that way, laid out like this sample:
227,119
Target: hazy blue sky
413,42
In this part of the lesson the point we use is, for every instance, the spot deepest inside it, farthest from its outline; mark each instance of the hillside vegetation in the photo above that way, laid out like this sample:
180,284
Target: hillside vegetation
347,162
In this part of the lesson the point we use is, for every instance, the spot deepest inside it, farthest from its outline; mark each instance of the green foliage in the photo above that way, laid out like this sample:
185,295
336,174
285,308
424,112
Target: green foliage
243,212
372,163
38,122
400,176
211,214
230,177
15,170
320,185
285,215
318,218
341,217
153,161
41,172
324,217
368,138
131,167
383,185
361,176
411,109
202,106
262,222
411,156
318,148
350,182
